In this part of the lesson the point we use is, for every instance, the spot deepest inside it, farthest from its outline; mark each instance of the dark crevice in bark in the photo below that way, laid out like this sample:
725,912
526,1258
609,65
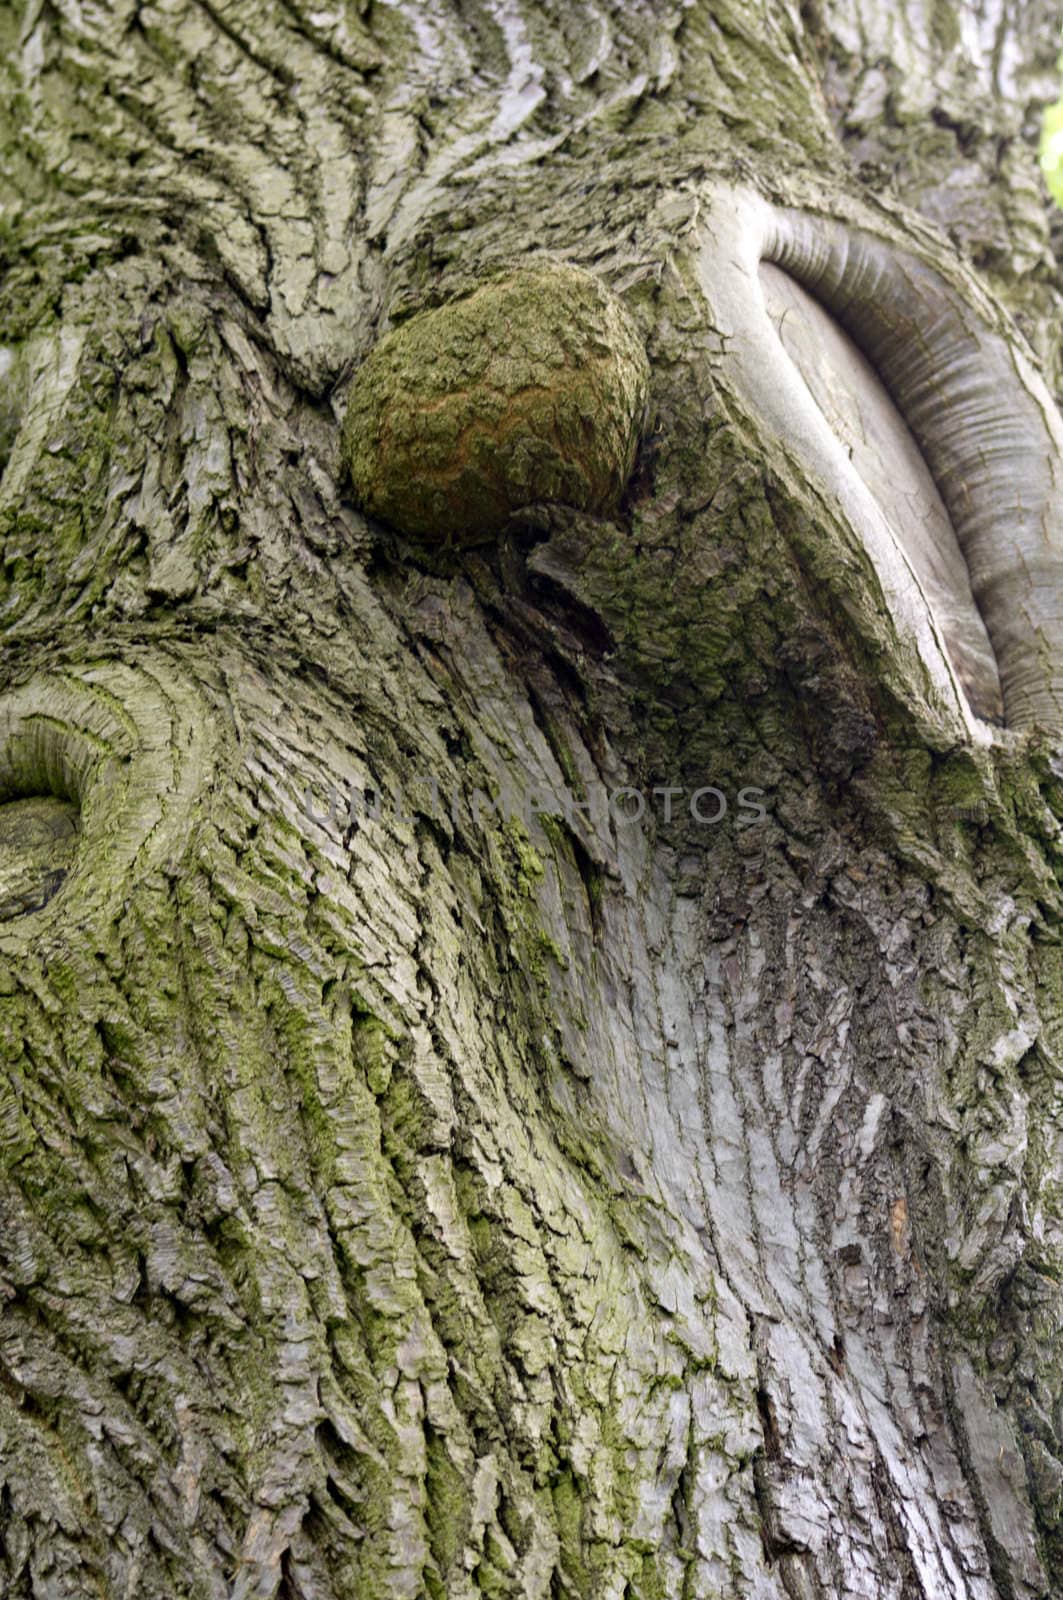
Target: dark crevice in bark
1000,1560
899,1553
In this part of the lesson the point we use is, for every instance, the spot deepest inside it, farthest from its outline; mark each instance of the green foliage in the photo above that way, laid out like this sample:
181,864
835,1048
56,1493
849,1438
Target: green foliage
1052,150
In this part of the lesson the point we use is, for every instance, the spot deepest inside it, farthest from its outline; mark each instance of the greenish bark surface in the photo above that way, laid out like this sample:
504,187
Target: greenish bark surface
468,1191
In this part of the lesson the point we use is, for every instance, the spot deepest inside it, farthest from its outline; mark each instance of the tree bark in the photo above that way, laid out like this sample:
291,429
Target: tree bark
420,1175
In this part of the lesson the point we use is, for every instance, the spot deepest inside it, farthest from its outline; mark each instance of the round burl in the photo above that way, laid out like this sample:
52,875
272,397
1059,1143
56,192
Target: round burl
530,389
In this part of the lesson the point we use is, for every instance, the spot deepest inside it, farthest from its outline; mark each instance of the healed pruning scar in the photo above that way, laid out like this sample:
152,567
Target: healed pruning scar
940,444
104,793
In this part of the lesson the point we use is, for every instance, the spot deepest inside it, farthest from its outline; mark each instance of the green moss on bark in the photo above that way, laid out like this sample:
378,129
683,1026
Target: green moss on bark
530,389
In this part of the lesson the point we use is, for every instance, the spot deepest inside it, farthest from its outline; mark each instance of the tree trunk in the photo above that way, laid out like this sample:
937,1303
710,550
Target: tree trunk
423,1174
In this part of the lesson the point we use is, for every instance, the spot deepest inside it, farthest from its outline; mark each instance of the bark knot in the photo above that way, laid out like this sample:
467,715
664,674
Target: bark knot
530,389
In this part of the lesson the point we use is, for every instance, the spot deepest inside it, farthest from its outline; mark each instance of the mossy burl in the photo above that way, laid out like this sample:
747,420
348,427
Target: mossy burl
530,389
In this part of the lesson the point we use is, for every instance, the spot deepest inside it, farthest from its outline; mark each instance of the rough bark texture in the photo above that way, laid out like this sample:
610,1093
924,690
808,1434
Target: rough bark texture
476,1192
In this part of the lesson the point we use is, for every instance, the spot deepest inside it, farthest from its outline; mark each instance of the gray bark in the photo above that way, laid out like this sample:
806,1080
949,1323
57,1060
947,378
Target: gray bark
478,1192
